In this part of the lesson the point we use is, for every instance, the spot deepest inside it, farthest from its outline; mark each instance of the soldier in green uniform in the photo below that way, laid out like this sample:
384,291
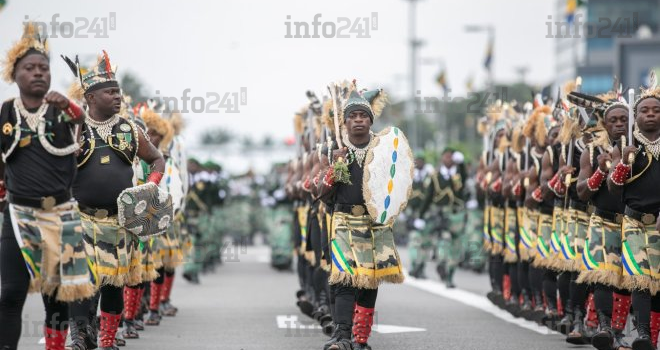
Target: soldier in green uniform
420,243
195,208
446,194
475,254
279,227
212,223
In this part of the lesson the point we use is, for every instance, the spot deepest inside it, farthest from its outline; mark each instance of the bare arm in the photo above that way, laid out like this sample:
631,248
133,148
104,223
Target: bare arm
614,188
531,187
585,173
494,170
546,175
509,178
150,154
75,113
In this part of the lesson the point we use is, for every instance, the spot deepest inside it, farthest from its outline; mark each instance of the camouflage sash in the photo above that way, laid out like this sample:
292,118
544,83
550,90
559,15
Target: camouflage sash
149,272
496,230
601,259
301,215
114,250
640,256
363,253
572,240
544,236
510,231
488,244
51,243
166,249
528,238
555,260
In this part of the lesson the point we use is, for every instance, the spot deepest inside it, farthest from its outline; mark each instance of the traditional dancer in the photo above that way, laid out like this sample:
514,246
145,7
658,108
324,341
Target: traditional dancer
363,250
601,259
41,228
110,145
635,176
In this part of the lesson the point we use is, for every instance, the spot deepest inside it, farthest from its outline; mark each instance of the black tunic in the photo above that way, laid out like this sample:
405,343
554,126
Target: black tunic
641,193
31,171
99,185
105,170
603,198
351,194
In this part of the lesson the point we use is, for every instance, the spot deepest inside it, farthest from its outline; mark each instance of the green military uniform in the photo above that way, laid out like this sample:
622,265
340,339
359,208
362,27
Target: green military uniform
475,255
196,210
445,192
420,242
211,223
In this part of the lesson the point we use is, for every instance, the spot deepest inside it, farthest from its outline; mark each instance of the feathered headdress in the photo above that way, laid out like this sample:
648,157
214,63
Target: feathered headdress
517,139
539,124
177,122
653,91
155,122
371,101
327,114
30,41
299,123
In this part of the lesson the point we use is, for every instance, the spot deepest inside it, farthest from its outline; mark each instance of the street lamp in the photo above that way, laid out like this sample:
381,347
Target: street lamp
415,44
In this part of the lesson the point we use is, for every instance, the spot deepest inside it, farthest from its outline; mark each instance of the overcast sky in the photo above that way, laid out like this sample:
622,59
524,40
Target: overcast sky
221,46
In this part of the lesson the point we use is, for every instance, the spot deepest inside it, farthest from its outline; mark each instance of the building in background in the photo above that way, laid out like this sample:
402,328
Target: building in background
617,38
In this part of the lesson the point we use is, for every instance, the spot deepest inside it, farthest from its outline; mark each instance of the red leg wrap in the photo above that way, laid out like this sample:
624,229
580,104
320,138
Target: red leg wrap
108,329
55,339
506,286
620,310
363,319
154,296
592,315
131,302
655,327
167,288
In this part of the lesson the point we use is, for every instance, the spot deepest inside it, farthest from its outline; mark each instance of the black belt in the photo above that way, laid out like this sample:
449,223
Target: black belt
609,215
353,209
645,218
578,205
546,210
98,213
45,203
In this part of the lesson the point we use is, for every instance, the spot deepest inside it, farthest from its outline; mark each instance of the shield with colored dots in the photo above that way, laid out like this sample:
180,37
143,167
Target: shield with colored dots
388,176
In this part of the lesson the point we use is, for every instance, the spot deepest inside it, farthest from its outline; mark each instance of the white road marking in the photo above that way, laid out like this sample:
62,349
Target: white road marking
476,301
293,323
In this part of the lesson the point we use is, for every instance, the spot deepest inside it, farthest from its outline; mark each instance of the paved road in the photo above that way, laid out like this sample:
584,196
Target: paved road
239,306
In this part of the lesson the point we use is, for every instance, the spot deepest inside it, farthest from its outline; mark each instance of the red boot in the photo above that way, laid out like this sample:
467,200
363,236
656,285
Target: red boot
131,302
131,305
55,339
620,311
154,304
167,307
592,316
363,319
655,328
108,330
506,287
